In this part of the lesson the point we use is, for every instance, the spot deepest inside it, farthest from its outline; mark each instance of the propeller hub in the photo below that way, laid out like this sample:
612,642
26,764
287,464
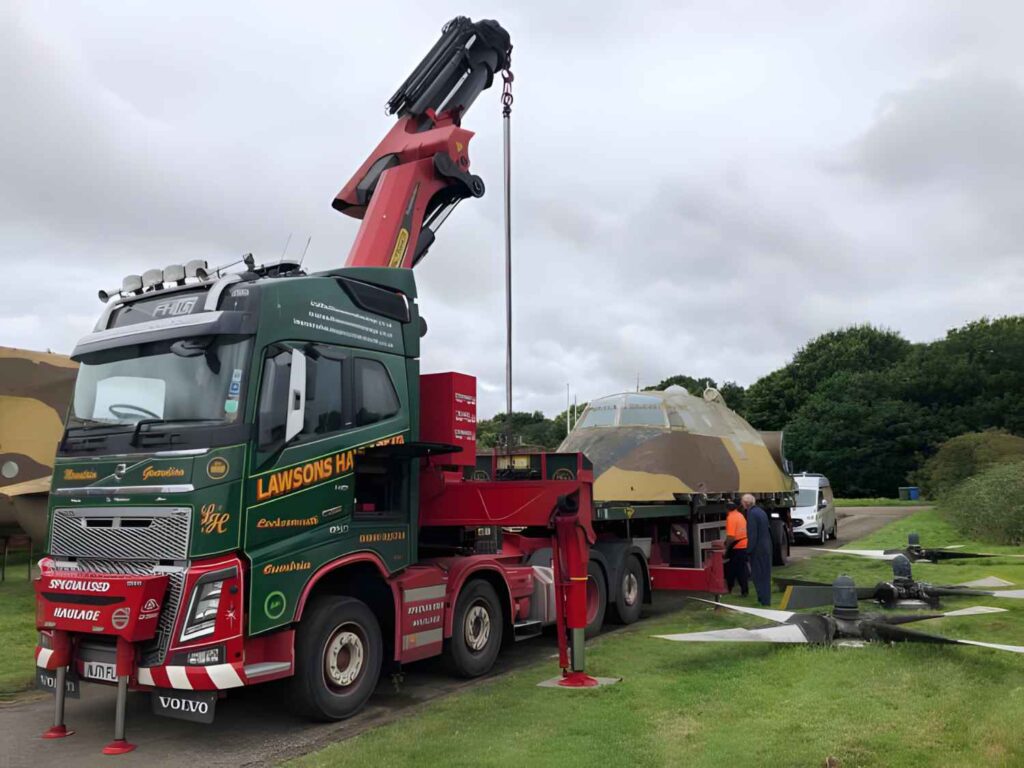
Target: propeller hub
844,598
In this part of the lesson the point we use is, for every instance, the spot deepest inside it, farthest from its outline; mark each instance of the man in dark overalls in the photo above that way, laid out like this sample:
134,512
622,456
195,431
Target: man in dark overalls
759,549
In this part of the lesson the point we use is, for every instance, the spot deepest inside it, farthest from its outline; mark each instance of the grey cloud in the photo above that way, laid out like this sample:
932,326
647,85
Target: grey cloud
698,188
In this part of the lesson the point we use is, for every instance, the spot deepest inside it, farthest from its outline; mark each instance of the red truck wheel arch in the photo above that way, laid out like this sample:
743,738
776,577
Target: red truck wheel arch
334,565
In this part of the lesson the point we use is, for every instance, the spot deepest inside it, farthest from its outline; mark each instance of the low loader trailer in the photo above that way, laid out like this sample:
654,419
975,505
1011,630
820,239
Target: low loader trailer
255,482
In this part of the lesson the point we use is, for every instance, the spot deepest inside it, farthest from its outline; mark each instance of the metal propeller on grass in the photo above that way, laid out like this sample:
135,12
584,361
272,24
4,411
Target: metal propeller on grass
902,592
915,552
843,625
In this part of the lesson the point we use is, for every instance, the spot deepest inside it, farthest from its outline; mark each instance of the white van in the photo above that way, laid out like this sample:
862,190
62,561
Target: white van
814,516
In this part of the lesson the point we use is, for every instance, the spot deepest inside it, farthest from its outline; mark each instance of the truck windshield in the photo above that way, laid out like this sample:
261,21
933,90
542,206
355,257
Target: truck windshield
200,380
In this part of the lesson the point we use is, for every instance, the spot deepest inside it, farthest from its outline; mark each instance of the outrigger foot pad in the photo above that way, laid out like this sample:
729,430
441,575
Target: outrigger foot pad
574,680
118,747
57,732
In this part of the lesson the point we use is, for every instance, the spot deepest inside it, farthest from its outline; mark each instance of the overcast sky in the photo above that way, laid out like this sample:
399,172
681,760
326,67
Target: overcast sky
699,187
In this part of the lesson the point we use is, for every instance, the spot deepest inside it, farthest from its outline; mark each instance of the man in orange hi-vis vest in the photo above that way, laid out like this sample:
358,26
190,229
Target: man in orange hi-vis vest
737,564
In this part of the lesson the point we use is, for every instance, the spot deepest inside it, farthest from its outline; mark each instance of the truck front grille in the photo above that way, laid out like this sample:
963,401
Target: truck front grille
129,533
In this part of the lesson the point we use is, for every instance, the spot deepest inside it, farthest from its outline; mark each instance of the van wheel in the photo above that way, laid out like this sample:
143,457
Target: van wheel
338,655
780,542
476,630
628,601
597,598
835,530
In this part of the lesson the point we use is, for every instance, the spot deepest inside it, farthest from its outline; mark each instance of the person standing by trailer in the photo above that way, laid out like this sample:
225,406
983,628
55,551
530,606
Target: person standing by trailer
759,549
737,564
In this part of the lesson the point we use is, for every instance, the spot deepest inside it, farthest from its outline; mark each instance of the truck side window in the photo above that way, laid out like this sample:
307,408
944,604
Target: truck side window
323,397
376,398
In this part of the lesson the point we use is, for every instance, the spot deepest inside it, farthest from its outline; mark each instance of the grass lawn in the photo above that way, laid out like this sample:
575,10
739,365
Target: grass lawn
17,631
744,704
882,502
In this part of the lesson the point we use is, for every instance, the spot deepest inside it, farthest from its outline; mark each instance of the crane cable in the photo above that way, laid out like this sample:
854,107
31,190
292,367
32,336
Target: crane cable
506,113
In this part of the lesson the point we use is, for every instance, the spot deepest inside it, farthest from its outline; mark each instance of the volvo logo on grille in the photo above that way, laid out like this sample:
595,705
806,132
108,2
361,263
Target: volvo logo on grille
119,618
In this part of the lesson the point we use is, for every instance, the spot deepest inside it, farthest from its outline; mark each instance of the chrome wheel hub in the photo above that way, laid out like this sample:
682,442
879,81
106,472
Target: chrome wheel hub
630,589
477,627
343,658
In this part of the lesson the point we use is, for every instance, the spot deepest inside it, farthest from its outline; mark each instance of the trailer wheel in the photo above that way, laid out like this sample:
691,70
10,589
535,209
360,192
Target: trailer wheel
338,655
780,542
628,601
476,630
597,598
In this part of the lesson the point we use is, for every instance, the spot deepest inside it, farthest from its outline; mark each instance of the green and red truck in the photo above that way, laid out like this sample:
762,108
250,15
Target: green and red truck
255,481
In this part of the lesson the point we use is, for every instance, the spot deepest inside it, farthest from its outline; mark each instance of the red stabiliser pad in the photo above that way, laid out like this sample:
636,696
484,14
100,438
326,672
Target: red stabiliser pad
127,606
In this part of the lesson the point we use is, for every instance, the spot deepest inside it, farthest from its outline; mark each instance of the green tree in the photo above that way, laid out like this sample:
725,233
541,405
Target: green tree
965,455
990,505
773,400
858,432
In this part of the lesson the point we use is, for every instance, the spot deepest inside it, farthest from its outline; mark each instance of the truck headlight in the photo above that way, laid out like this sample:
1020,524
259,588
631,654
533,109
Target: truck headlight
202,610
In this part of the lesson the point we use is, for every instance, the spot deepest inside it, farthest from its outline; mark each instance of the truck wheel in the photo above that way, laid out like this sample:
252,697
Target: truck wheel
628,601
476,630
597,598
780,542
338,654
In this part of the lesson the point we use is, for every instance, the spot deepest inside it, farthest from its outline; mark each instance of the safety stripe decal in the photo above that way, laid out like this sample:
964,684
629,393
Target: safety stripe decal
215,677
179,678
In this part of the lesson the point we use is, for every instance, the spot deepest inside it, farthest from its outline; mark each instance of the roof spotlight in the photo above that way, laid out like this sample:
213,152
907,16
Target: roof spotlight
131,284
174,273
197,268
105,295
152,278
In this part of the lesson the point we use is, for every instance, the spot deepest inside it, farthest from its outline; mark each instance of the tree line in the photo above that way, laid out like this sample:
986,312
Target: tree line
862,405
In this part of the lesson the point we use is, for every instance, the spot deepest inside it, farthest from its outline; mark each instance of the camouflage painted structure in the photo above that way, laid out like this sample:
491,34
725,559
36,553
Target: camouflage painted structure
664,446
35,389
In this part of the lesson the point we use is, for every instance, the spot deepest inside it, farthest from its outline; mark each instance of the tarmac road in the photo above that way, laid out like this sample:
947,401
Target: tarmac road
253,728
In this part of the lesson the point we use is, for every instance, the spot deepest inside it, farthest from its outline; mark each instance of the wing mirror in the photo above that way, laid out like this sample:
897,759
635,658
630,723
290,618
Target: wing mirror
296,396
823,504
282,399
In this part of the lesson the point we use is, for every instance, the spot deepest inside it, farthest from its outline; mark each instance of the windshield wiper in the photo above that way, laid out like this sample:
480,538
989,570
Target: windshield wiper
157,422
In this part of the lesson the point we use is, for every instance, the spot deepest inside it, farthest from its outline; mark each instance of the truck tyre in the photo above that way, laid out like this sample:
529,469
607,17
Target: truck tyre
476,630
338,655
780,542
628,601
597,598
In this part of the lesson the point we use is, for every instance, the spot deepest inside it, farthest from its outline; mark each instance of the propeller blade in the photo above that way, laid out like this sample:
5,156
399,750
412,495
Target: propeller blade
989,582
786,633
936,555
895,634
997,554
953,546
783,583
996,646
1010,594
813,595
874,554
975,610
903,635
765,613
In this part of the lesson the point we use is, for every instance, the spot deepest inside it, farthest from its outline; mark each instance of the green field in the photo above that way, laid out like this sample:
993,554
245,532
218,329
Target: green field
17,632
882,502
743,705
